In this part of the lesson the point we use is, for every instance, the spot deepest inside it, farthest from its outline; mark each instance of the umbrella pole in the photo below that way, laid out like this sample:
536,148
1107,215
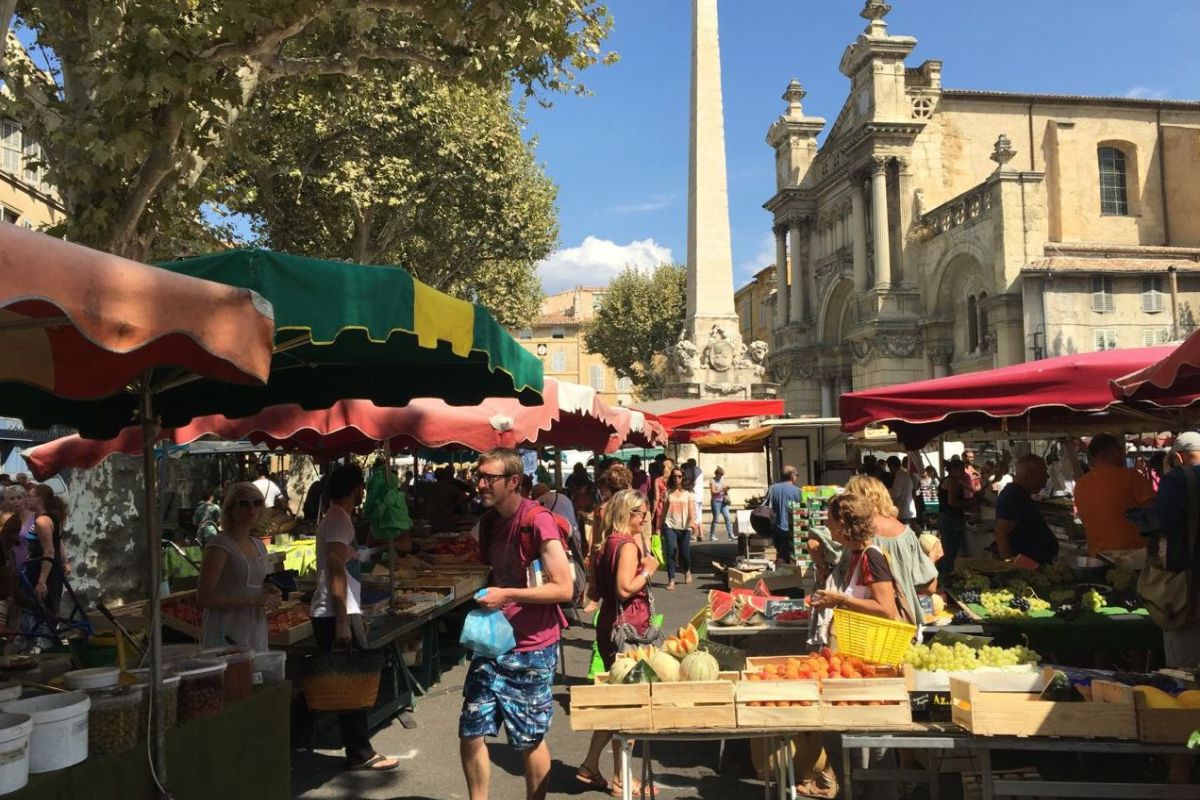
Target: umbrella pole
150,429
391,543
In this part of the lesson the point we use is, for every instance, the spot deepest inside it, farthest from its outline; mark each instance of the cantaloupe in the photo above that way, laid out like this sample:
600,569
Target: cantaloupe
620,669
664,666
699,667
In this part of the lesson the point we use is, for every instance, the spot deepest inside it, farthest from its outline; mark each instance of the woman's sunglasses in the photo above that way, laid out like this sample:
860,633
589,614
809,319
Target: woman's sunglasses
247,502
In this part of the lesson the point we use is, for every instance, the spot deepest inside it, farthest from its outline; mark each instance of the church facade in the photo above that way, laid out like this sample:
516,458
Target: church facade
937,231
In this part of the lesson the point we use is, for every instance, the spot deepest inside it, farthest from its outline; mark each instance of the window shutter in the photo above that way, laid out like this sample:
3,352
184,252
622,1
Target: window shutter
1152,301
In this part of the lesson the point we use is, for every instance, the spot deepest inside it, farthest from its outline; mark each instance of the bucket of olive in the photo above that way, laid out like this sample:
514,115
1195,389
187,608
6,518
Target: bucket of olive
113,720
170,698
201,687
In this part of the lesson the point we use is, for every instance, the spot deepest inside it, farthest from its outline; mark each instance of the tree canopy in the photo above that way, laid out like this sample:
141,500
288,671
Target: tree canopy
418,170
641,316
134,102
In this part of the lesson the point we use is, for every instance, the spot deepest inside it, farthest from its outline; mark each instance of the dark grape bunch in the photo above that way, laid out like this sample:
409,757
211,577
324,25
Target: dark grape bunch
962,618
969,596
1066,610
1019,603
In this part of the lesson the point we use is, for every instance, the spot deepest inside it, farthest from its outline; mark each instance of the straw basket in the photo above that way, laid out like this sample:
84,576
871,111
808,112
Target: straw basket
342,681
875,640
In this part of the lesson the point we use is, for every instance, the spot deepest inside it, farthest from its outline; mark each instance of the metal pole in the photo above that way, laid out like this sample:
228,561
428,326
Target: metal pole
1173,282
150,429
391,543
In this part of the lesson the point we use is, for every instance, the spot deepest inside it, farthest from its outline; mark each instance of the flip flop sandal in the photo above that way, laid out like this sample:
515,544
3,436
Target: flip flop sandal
376,763
615,789
593,779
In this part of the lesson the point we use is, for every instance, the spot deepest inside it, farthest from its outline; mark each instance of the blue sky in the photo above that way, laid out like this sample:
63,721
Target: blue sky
619,157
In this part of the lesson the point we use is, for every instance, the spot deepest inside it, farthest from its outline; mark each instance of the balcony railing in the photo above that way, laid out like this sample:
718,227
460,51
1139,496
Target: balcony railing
968,207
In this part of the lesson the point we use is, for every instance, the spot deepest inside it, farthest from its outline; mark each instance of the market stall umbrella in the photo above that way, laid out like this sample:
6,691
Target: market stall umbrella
749,440
353,331
1038,395
94,341
640,431
571,416
690,413
1171,381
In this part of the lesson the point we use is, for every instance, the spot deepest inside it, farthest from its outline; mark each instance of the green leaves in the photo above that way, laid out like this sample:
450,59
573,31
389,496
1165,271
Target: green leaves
641,316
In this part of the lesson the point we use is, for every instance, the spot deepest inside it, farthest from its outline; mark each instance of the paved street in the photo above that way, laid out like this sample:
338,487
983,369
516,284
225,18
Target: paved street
430,752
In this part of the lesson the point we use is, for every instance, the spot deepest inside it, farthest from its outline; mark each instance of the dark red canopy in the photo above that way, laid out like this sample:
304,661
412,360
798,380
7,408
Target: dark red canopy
1037,393
682,413
1172,380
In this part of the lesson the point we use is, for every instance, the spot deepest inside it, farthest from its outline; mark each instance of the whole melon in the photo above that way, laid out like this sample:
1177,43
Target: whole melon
664,666
620,669
699,666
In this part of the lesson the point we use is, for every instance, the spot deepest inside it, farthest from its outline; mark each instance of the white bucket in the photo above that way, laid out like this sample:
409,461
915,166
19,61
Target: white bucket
60,729
268,667
15,730
96,678
10,691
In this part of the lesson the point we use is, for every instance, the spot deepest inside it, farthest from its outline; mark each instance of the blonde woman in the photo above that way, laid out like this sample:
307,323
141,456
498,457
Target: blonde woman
915,571
622,584
233,590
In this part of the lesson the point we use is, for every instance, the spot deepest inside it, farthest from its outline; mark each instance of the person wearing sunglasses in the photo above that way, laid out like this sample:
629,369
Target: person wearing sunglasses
233,590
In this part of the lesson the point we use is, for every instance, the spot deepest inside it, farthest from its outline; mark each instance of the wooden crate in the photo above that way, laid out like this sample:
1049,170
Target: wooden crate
611,707
290,636
776,580
1010,706
1158,725
846,704
186,628
694,704
790,716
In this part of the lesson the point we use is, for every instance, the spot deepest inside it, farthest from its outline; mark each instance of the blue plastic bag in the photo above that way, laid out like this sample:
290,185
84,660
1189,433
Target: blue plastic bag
487,633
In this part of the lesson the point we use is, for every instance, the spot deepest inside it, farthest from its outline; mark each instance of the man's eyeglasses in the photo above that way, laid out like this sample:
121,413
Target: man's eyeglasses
490,479
247,502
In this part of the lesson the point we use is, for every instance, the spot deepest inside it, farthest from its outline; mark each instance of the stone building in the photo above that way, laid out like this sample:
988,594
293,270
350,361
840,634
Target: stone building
937,231
755,304
556,337
25,197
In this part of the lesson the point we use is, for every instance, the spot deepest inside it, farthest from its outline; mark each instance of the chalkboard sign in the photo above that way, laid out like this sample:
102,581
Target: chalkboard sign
777,607
729,659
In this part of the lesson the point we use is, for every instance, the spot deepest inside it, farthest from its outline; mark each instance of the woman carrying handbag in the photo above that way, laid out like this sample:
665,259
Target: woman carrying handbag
622,585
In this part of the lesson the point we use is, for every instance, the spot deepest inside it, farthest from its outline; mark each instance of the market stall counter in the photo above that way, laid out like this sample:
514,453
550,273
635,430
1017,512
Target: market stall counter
242,752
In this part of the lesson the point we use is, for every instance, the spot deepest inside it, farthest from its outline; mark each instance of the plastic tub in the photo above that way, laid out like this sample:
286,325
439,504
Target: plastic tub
9,691
113,720
86,680
173,652
201,688
60,729
269,667
239,672
15,730
170,696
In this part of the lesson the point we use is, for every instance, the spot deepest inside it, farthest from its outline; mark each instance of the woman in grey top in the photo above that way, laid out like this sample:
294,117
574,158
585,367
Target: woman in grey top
233,590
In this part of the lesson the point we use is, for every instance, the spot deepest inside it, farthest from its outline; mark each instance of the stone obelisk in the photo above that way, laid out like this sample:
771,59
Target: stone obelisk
710,360
709,253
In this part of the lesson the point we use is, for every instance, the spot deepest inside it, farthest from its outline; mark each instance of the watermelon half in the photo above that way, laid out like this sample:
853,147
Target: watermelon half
721,608
751,610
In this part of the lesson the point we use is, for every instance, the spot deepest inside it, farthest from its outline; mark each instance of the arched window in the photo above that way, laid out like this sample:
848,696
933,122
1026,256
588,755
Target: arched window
1114,183
972,325
984,342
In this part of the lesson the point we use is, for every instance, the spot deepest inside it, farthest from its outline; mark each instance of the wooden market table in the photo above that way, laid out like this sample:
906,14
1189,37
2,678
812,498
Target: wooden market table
784,779
242,752
948,737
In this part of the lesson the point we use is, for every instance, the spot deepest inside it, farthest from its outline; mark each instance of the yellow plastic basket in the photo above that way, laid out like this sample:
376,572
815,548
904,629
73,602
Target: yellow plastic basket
873,639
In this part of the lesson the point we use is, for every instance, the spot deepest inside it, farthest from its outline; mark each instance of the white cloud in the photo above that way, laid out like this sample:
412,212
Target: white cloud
1146,93
763,258
597,261
657,203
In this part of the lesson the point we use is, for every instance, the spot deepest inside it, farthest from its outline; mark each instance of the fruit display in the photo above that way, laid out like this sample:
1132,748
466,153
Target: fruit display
721,610
683,643
963,658
286,617
184,609
462,549
201,697
1092,600
827,664
699,667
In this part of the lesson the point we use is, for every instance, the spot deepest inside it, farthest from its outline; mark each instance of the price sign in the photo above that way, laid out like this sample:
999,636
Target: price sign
777,607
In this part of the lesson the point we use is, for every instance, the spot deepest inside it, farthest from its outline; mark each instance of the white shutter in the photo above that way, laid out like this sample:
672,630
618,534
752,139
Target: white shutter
1105,339
1152,337
1152,301
1102,297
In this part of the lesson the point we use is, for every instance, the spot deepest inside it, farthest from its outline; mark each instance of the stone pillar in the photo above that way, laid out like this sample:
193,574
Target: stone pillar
879,222
781,276
796,295
940,354
858,229
811,274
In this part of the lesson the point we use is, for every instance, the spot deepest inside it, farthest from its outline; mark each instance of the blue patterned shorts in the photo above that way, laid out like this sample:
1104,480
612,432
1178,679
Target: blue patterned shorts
515,689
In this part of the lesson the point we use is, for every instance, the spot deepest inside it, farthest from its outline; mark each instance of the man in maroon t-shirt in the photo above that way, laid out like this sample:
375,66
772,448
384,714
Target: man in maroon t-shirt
516,688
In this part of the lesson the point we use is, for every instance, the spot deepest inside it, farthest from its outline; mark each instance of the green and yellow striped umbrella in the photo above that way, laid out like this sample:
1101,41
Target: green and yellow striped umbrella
356,331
